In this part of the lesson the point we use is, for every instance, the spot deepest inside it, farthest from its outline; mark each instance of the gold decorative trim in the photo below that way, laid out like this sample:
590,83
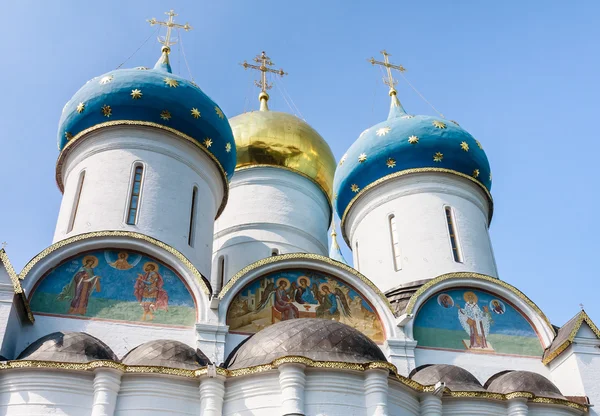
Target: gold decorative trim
69,146
130,234
331,365
410,172
581,318
471,275
17,288
302,256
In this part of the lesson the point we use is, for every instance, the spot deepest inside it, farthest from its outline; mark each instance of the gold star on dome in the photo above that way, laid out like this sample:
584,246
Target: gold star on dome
438,157
106,110
354,188
173,83
335,195
106,79
165,115
391,162
438,124
219,112
382,131
208,142
343,159
479,144
490,176
228,147
413,139
80,107
362,157
476,173
363,132
136,94
68,135
195,112
464,146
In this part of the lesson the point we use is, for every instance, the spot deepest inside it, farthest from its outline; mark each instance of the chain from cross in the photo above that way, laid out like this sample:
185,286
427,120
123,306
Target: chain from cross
389,81
265,62
169,24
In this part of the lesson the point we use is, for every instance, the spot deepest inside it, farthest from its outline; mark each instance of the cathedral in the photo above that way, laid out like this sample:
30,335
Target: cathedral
195,269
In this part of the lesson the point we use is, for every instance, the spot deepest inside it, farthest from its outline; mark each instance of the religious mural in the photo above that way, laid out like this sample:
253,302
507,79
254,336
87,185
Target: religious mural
115,285
295,294
474,321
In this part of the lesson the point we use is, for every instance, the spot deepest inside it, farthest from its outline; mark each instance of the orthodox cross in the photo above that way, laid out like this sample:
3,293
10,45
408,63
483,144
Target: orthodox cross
264,63
389,81
4,244
170,24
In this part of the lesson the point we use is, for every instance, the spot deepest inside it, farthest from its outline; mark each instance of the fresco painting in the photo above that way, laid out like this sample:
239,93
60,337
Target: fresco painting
474,321
295,294
115,285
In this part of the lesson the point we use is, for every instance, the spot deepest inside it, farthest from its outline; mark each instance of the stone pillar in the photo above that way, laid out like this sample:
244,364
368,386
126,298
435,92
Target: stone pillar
518,407
431,405
107,382
292,380
212,393
376,392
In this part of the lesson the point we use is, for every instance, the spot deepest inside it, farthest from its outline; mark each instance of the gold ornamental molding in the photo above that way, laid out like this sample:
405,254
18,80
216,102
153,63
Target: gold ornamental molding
204,285
581,318
17,288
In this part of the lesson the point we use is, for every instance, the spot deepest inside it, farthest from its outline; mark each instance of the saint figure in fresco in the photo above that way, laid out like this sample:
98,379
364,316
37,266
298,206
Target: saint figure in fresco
149,292
497,307
284,299
79,289
304,293
331,304
121,262
475,322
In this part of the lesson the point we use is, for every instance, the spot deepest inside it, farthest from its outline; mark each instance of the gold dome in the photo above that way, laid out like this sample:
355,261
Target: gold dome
272,138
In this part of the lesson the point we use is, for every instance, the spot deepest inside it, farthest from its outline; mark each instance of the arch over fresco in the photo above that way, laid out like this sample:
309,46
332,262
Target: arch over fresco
299,285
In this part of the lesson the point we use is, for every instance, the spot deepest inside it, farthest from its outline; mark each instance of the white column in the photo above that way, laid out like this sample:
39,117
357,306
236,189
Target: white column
107,382
292,380
212,392
518,407
376,392
431,405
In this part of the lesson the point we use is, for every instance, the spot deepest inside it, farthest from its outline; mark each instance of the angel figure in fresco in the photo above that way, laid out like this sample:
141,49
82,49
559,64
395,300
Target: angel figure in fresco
475,322
121,262
79,289
331,304
284,299
304,293
149,292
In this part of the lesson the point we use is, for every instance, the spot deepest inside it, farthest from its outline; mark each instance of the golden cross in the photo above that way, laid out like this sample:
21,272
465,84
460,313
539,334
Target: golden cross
170,24
4,244
390,81
265,62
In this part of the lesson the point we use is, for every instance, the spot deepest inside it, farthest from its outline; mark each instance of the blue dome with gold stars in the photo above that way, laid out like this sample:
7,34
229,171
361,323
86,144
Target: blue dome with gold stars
154,98
405,144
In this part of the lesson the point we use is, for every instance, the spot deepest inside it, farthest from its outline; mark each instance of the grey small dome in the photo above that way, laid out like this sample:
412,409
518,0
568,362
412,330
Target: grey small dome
166,353
68,347
317,339
512,381
455,378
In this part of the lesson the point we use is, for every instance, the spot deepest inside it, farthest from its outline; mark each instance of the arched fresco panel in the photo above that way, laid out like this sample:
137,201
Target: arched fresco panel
474,321
117,285
292,294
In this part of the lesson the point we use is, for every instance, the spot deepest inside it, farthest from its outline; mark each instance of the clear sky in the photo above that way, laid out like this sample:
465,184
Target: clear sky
521,76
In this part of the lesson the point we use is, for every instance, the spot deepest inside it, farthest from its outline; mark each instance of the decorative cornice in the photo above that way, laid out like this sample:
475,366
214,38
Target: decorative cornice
17,288
303,256
395,175
581,318
204,285
76,140
477,276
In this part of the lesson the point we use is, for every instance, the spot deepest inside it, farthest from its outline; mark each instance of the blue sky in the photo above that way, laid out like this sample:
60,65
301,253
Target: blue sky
522,77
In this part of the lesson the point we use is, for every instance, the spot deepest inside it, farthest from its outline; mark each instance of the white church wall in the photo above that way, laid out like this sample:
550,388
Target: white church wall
538,409
417,202
42,392
9,317
334,393
255,395
270,208
171,169
472,407
401,400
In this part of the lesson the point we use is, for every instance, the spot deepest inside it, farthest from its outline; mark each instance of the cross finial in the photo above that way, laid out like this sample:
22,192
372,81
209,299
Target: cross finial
166,41
581,306
4,244
389,80
264,63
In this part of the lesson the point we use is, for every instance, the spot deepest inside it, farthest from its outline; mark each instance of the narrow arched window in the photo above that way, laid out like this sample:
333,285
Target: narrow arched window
395,243
134,197
192,230
76,201
453,235
220,272
356,262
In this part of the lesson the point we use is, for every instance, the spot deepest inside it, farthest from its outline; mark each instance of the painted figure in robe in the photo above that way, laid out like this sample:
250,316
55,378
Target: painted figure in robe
284,299
304,293
149,292
330,304
475,322
80,287
121,262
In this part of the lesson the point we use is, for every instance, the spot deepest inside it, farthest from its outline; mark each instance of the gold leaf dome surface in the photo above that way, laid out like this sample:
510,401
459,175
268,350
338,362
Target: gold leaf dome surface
273,138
